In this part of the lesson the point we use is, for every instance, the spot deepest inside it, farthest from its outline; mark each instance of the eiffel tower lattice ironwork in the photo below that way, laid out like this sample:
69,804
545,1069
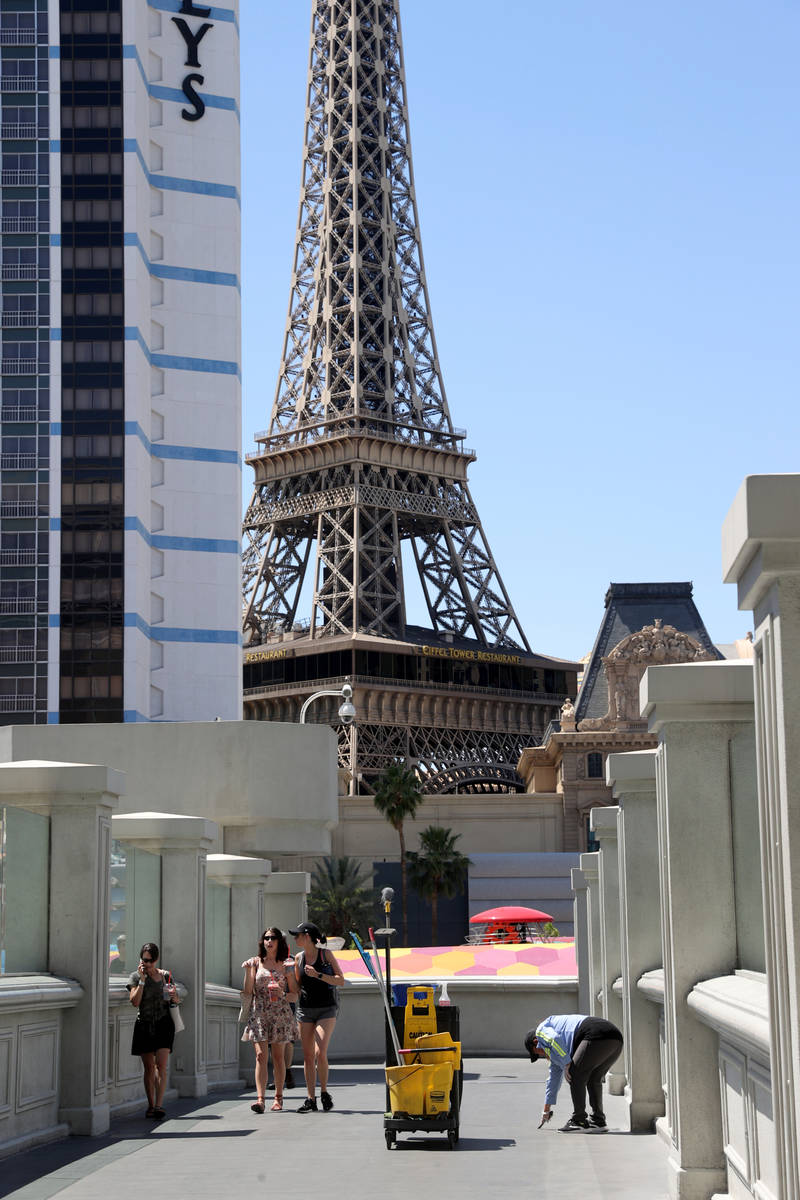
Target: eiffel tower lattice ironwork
361,456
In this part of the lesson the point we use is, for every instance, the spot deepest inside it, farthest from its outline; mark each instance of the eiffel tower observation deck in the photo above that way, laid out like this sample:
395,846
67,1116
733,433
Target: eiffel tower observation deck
361,478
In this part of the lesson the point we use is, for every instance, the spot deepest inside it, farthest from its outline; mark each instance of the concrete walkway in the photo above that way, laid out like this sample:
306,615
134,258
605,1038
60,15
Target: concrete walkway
219,1148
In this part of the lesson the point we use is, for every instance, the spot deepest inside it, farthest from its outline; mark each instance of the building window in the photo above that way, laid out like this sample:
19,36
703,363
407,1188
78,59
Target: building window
592,843
594,766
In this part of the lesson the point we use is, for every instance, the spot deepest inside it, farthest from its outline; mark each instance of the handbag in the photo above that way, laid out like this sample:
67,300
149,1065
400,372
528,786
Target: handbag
174,1010
247,999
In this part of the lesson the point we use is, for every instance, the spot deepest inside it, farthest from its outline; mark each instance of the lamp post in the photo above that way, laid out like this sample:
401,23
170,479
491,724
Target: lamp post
347,710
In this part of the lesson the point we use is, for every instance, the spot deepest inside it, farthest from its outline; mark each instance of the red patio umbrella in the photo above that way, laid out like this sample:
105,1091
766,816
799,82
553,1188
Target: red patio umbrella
510,912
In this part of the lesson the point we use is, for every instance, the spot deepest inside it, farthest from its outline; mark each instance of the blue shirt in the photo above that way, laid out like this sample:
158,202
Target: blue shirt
555,1035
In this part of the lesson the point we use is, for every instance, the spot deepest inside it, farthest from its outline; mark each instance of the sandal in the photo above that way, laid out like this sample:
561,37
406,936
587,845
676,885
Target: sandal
159,1114
258,1107
151,1112
277,1104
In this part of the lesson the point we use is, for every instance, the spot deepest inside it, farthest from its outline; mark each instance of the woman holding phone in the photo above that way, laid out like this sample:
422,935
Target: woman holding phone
152,991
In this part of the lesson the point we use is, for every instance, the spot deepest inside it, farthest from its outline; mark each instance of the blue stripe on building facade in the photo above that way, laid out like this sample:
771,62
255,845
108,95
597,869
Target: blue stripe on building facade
165,271
171,183
165,633
216,14
163,450
160,92
163,541
189,453
181,362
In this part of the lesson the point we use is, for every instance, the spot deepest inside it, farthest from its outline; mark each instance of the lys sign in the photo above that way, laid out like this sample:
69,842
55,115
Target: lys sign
192,38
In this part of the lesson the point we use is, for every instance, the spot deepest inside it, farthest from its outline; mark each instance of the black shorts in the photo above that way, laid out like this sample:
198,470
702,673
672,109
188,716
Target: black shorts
149,1036
311,1016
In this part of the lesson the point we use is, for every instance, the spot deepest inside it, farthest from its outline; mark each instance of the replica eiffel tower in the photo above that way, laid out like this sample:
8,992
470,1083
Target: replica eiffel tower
361,461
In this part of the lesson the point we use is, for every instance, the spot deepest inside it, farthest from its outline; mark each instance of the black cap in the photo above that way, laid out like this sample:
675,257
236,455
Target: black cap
310,928
531,1044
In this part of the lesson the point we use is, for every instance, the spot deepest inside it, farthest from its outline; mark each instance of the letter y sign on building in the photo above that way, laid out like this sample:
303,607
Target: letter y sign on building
192,38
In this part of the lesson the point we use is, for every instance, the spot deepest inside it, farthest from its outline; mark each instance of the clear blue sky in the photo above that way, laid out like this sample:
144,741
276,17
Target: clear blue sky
609,199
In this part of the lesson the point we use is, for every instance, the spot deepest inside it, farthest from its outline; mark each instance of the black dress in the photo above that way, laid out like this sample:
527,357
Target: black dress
153,1029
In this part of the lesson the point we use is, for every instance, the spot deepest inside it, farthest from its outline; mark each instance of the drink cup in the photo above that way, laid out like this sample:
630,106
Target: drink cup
273,990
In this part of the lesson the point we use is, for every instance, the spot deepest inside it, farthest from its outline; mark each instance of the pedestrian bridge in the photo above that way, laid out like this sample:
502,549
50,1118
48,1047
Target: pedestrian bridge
206,1147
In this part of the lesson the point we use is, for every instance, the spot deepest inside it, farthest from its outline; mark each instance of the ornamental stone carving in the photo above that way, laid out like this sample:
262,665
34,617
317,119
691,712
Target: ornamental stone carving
624,666
567,716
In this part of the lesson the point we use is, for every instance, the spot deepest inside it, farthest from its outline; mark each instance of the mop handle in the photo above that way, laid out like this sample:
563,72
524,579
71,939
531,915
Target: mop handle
384,994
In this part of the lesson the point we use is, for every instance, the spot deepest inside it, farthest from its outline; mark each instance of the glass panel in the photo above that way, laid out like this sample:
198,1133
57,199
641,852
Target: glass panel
24,890
218,933
135,905
748,899
118,871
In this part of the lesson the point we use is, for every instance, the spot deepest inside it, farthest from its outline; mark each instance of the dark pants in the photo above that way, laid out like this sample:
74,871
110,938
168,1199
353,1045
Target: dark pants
589,1064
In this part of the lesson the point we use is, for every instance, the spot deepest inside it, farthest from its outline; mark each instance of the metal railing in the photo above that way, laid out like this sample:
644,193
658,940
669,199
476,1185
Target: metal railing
18,508
19,318
19,129
17,462
19,224
18,604
17,653
10,271
19,366
7,413
354,426
19,178
17,558
17,37
411,684
17,83
16,703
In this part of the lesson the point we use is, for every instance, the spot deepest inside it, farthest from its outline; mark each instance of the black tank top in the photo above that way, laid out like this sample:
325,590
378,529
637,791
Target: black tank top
313,992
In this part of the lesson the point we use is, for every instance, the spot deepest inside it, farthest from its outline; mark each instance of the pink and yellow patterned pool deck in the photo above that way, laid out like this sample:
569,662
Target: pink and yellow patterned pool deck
417,963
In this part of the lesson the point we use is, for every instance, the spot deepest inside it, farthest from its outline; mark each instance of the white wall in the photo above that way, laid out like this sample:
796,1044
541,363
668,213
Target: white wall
271,786
182,371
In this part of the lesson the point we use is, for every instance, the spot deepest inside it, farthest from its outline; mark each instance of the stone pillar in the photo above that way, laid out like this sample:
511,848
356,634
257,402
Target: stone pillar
581,922
184,844
79,800
285,899
247,879
590,868
761,555
603,822
697,710
632,779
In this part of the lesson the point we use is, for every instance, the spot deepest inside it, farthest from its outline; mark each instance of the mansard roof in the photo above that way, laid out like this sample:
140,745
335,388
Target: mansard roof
629,607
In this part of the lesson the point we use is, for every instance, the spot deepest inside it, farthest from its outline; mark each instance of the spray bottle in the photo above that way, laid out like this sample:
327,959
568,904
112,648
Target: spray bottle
444,999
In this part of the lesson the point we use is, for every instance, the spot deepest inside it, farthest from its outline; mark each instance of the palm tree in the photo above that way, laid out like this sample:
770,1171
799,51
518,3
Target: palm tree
341,897
397,797
438,869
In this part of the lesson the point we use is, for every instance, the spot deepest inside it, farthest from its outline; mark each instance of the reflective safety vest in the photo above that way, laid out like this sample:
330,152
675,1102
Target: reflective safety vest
555,1036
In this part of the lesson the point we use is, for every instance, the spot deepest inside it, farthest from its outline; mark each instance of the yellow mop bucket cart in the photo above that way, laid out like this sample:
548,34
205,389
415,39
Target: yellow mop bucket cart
424,1093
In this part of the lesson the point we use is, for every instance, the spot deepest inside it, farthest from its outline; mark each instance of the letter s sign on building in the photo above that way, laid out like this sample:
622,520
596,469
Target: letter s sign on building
192,38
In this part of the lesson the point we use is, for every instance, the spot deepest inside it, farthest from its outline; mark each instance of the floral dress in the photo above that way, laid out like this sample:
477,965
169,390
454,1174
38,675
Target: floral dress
270,1020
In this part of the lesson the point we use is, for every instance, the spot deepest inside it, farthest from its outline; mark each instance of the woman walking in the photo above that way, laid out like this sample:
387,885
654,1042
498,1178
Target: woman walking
152,991
268,983
318,975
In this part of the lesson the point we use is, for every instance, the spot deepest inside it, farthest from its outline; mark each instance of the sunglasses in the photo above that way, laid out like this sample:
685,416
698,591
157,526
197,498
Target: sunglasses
148,960
270,937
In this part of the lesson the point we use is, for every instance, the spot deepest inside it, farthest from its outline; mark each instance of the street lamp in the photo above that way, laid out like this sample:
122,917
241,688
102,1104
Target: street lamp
347,710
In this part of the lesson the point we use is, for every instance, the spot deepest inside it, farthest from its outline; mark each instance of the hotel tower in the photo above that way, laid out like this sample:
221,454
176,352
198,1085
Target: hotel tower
121,426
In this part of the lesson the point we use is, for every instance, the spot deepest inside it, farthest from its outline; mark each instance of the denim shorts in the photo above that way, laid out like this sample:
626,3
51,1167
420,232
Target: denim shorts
310,1016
